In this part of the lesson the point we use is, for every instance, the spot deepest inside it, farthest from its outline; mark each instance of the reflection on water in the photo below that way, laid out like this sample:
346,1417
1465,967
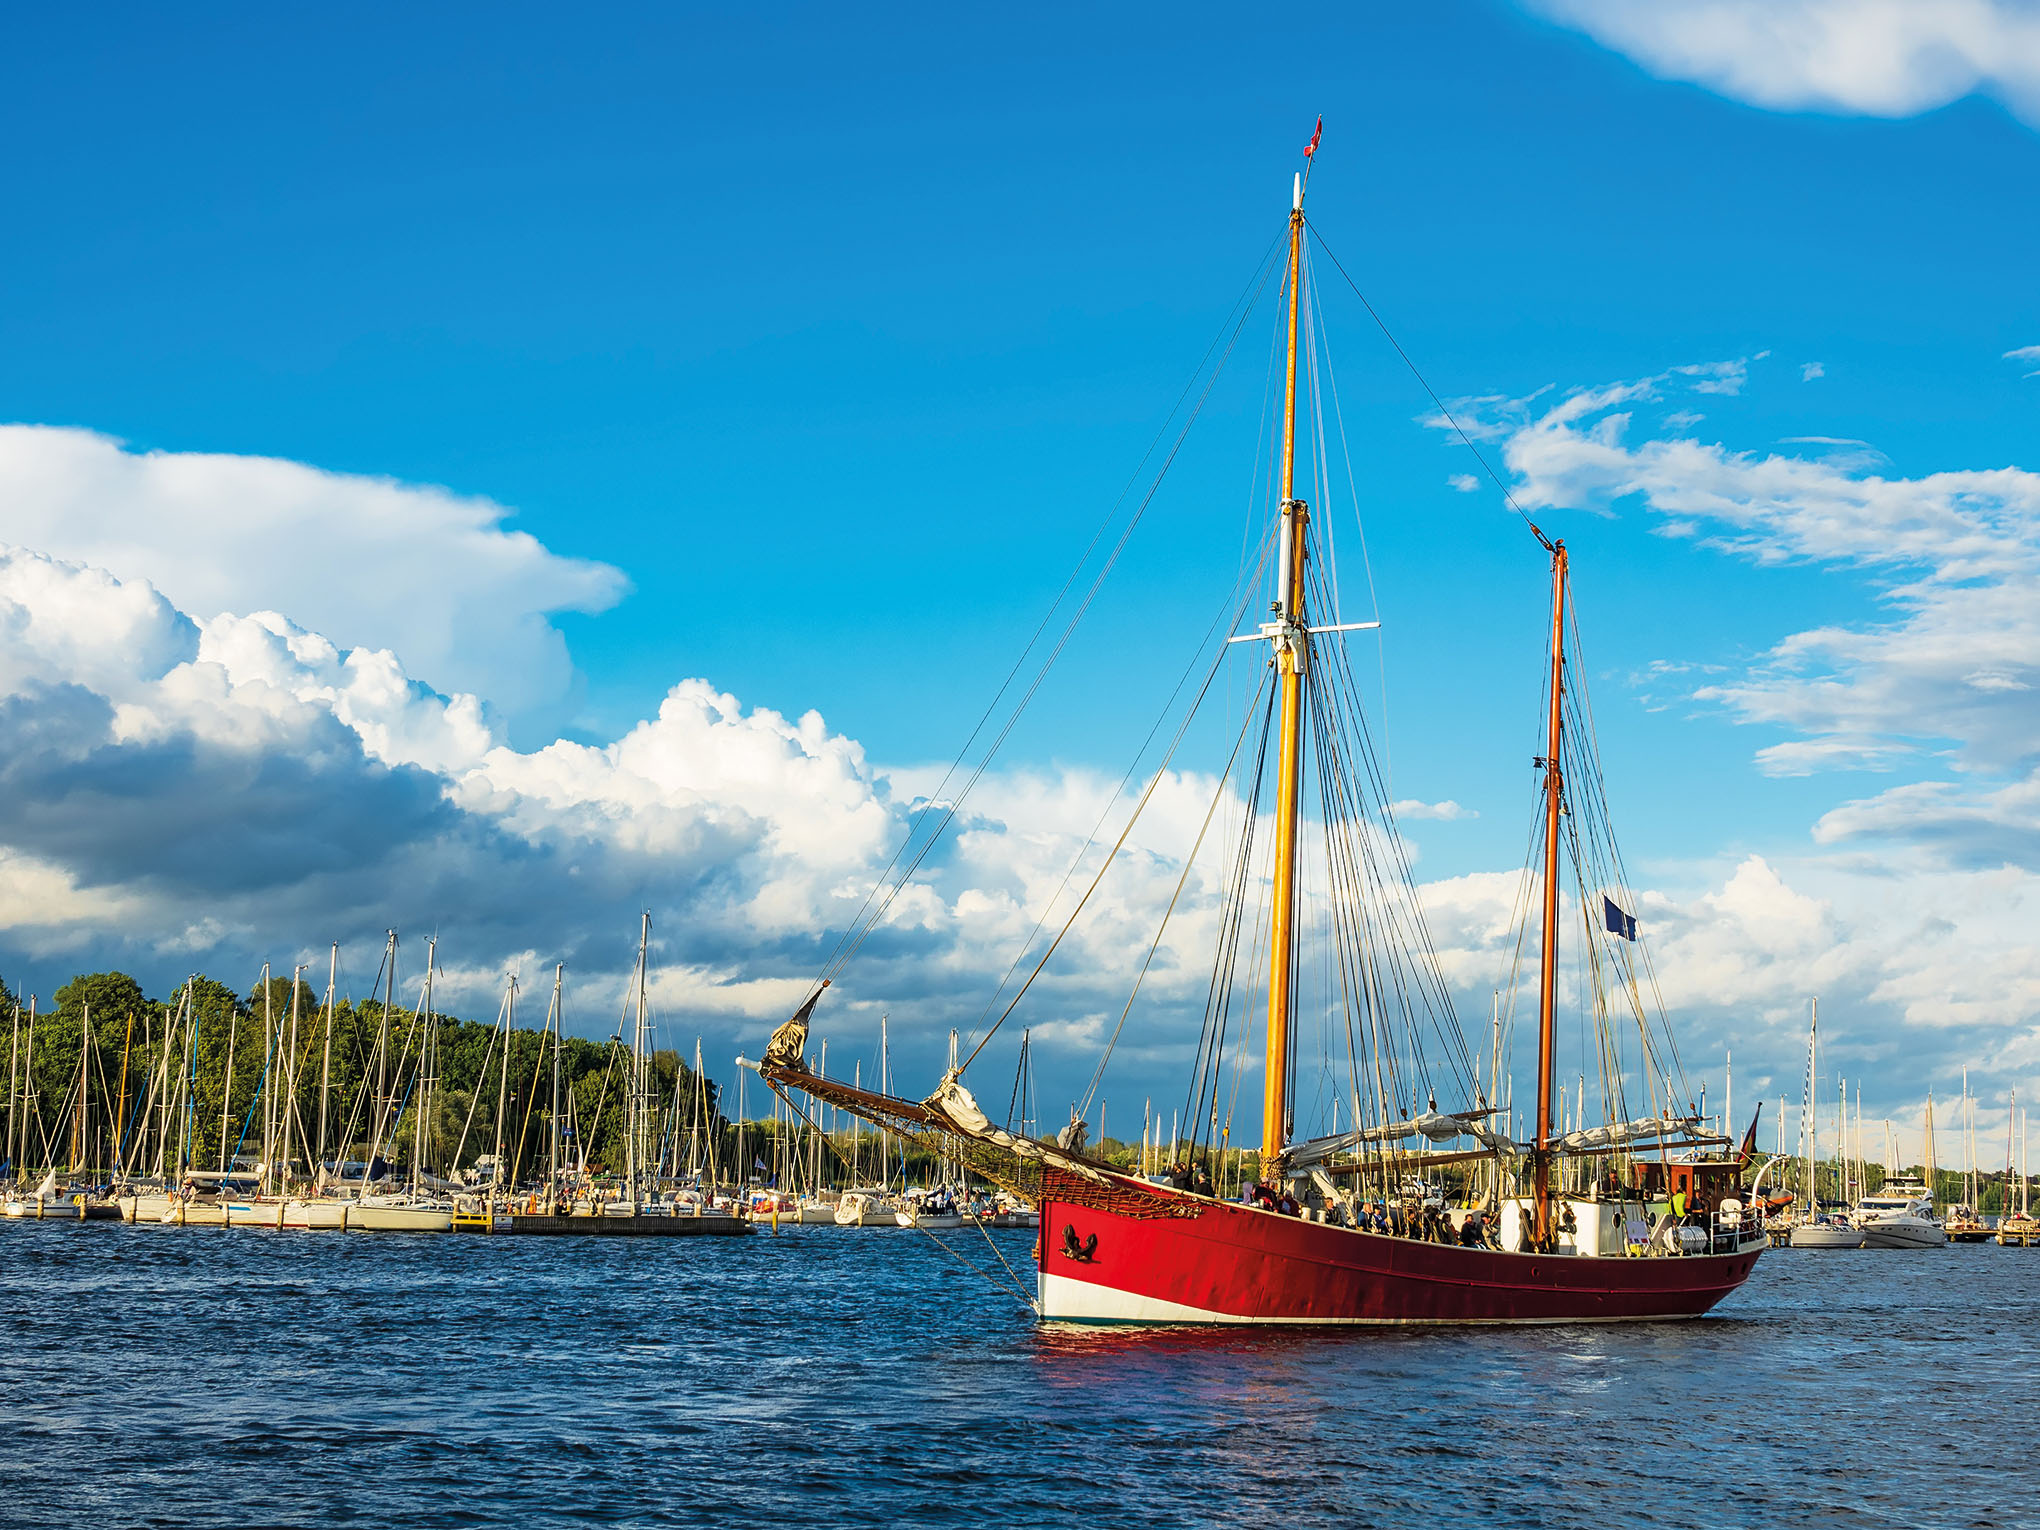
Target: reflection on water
829,1376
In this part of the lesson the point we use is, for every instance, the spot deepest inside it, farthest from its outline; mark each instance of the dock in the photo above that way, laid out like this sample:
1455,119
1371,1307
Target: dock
500,1224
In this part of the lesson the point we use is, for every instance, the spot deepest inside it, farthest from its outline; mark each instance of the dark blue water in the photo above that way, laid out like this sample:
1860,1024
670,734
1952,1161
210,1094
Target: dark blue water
206,1376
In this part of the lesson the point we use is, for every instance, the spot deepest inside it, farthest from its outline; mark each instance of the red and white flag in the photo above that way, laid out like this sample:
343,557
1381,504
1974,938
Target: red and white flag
1311,148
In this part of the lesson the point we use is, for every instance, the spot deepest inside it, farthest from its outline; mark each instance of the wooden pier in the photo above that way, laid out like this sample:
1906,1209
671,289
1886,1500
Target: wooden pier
529,1225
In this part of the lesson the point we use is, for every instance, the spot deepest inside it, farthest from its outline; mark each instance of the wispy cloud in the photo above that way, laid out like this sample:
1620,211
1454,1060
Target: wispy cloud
1465,483
1948,677
1445,812
1717,376
2025,354
1809,370
1879,58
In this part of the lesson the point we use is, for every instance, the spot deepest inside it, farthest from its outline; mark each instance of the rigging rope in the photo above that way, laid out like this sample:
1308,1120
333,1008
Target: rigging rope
867,919
1444,412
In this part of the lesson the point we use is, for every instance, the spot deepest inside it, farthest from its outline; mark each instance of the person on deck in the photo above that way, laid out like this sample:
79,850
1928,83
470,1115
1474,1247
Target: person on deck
1471,1231
1679,1204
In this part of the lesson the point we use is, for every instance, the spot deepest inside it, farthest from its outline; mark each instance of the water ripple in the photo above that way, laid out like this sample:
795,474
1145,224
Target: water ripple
205,1376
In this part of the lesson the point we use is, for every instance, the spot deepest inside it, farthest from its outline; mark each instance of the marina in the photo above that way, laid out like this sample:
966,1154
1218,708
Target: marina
1132,768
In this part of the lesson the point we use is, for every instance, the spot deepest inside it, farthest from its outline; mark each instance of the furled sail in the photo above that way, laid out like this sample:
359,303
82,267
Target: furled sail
1624,1133
788,1046
959,1108
1436,1126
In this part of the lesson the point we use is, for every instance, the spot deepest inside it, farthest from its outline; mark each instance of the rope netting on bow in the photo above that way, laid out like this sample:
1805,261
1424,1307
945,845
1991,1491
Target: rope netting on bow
1035,1171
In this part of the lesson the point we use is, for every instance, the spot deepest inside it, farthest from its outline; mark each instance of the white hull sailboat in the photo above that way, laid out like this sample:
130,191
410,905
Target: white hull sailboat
930,1221
1353,962
393,1214
1825,1232
860,1208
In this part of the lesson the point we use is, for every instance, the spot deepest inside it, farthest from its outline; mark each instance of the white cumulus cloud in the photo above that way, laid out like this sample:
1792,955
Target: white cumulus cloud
1879,58
369,562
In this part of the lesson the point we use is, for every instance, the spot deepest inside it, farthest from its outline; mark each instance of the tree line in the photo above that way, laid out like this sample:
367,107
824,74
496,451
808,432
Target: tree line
101,1080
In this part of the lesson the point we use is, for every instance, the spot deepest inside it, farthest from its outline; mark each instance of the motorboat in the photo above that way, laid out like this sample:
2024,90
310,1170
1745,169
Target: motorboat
1901,1215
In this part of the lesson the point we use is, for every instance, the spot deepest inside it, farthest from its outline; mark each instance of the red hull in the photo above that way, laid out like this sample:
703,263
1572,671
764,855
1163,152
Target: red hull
1205,1261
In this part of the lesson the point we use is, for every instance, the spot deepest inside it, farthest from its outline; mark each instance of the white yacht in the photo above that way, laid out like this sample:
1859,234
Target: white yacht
1901,1215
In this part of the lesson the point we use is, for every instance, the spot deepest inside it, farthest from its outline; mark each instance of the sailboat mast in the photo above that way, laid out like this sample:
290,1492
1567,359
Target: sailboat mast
503,1075
1290,638
423,1086
270,1049
552,1180
1547,966
78,1119
1812,1105
326,1069
634,1117
13,1105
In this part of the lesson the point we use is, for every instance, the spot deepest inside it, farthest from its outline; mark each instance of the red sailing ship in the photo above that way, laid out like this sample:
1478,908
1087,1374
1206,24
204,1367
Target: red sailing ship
1625,1219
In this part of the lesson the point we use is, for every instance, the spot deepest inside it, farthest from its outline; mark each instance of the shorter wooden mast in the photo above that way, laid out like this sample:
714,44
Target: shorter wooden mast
1547,969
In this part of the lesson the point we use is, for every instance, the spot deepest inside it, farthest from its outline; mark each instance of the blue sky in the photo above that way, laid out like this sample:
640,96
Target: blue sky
836,333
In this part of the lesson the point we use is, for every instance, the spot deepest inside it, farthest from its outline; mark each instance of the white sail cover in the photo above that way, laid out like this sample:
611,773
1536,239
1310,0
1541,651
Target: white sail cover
1433,1125
1650,1128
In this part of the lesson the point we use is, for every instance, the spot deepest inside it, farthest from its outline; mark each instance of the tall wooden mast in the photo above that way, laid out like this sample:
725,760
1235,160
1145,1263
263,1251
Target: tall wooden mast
1291,638
1547,967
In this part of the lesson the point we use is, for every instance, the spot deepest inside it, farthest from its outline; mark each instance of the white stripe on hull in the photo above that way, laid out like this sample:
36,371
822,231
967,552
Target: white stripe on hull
1063,1300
